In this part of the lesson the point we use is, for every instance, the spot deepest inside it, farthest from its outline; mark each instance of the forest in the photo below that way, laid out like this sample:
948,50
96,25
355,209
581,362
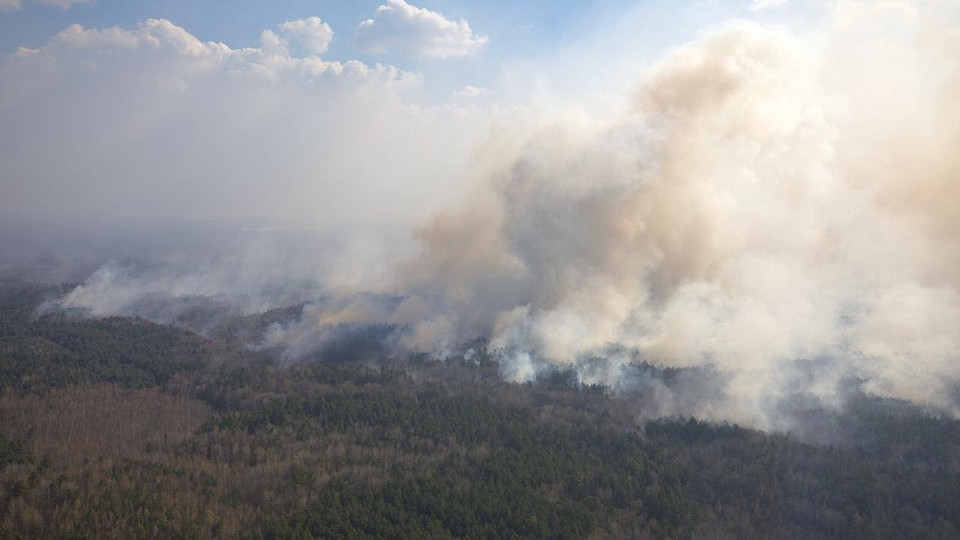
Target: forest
124,428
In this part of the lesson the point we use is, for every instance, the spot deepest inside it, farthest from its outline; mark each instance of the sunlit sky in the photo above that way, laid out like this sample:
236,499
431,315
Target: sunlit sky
600,40
323,112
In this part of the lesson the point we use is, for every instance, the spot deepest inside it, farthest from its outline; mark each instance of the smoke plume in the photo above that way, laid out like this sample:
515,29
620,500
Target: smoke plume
769,198
774,206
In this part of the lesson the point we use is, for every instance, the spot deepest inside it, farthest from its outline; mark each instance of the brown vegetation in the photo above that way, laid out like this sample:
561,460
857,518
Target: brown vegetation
78,423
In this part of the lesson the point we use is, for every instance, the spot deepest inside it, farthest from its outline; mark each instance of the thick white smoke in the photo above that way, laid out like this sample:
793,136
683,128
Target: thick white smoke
768,198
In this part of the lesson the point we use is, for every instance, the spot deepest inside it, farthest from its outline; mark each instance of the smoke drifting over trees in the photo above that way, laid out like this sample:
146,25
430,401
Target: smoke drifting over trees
766,200
777,206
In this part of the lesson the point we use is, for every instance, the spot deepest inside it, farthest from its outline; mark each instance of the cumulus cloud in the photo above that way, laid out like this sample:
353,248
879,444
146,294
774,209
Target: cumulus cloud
312,34
152,122
400,28
10,4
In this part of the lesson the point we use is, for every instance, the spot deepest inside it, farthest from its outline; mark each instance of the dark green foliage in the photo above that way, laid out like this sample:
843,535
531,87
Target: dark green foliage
535,480
430,506
54,350
440,450
12,452
19,303
130,352
334,374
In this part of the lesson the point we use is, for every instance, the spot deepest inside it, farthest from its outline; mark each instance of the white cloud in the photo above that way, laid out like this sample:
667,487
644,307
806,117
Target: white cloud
9,4
273,45
151,122
398,27
312,34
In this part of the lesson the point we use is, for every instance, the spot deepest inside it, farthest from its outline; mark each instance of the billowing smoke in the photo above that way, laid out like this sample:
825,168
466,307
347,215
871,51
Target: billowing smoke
776,207
769,198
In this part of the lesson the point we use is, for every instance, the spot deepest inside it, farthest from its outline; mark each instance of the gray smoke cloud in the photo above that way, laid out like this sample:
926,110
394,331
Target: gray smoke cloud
769,198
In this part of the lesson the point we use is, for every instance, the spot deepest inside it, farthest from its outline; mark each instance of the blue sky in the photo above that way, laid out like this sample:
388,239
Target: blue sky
522,36
239,23
306,111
